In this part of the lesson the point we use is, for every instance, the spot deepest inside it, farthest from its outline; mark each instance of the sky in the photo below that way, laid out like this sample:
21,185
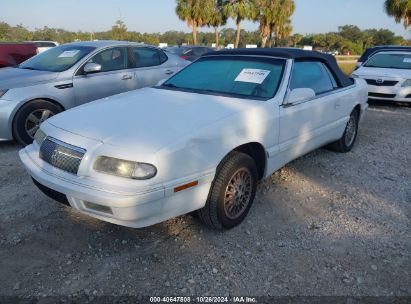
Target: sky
311,16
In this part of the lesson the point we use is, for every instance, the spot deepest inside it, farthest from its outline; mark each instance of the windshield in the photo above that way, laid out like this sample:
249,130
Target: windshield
57,59
246,77
390,61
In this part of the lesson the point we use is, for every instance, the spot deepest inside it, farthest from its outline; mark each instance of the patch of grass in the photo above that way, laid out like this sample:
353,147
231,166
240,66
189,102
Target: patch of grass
313,226
347,68
347,58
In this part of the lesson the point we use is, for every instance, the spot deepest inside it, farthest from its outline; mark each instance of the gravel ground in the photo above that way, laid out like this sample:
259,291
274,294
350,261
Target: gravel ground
326,224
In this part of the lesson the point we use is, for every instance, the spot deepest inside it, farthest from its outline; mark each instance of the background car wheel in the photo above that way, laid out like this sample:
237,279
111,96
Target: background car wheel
347,141
232,192
29,118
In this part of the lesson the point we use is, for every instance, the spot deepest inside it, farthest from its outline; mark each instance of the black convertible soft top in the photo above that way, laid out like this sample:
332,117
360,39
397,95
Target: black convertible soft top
296,54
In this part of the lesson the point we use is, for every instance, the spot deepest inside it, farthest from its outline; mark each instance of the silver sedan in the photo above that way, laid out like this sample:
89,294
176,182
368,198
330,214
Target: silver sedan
73,74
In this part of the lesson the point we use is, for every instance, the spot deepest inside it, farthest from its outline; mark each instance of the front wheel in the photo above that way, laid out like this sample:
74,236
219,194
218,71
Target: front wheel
347,141
232,192
29,118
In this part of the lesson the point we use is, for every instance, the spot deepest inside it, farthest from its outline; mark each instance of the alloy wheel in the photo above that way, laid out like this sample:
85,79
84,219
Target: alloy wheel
35,119
238,193
350,131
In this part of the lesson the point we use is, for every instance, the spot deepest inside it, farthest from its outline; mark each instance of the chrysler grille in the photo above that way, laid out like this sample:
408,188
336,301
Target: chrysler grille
61,155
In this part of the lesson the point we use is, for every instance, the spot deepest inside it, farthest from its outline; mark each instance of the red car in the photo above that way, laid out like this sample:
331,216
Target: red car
12,54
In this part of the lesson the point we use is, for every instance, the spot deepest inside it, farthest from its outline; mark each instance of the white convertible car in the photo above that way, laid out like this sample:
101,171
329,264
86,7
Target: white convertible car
199,141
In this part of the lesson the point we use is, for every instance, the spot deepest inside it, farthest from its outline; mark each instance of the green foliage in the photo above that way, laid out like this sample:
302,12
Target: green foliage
196,13
218,17
240,10
351,39
274,17
17,33
119,31
348,39
400,10
347,68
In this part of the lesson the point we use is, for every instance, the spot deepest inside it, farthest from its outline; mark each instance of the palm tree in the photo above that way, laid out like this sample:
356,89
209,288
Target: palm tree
296,39
266,15
274,17
400,10
239,10
217,18
118,31
195,12
282,24
282,31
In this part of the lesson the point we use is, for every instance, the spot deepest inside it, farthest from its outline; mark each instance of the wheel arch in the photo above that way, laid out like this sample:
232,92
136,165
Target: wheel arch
257,152
358,108
18,108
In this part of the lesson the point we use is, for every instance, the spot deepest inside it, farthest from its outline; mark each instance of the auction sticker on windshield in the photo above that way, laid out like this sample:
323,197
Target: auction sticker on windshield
252,75
407,60
69,54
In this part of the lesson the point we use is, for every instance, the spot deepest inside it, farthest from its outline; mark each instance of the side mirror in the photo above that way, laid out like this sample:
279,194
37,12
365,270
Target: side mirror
91,68
298,95
160,83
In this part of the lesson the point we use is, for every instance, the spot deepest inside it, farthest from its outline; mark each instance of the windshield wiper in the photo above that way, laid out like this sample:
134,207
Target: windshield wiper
398,68
211,91
28,68
170,85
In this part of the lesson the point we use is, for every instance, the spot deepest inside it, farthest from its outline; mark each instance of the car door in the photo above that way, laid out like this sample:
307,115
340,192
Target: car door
150,66
312,123
114,77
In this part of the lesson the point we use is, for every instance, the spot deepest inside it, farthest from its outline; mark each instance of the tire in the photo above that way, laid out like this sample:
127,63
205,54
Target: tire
347,141
29,117
237,174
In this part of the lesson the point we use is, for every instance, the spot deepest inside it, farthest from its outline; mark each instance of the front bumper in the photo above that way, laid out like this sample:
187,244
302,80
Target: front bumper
132,209
395,93
7,111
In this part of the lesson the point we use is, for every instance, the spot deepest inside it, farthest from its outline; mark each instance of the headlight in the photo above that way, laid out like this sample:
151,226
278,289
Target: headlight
39,137
2,92
124,168
406,83
354,76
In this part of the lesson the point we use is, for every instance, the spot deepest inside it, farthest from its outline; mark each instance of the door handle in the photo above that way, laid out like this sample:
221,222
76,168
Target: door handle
169,72
126,77
337,104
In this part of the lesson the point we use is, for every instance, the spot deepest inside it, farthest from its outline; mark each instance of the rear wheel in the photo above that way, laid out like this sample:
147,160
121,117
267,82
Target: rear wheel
232,192
29,118
347,141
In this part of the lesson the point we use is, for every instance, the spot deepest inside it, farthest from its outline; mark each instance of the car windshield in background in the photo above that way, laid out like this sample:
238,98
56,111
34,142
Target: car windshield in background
230,76
390,61
57,59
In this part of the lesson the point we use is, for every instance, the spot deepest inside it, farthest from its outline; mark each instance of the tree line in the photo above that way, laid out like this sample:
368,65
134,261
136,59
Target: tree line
348,38
273,16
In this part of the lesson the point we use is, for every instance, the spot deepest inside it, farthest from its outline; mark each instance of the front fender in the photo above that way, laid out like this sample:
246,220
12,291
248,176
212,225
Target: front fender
204,149
17,97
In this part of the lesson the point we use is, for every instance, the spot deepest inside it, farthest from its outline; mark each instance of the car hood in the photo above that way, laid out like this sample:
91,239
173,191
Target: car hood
383,73
11,78
148,119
